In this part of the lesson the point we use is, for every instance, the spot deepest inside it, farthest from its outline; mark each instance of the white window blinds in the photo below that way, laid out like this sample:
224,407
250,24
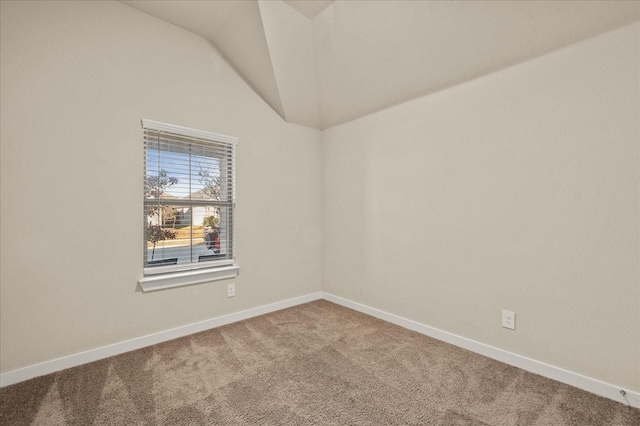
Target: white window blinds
189,198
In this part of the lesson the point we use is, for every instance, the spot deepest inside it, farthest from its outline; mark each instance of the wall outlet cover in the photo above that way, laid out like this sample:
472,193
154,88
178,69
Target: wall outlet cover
508,319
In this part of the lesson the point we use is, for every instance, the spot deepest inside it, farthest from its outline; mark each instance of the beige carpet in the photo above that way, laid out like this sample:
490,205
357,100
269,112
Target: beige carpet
317,363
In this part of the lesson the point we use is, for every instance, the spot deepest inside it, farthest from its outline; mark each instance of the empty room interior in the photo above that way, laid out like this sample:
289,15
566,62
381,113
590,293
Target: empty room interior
320,212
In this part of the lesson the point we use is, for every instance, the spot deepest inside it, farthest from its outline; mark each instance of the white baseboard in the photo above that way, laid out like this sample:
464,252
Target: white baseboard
564,376
561,375
74,360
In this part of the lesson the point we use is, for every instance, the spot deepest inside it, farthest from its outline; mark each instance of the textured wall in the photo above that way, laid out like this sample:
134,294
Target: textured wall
518,190
76,79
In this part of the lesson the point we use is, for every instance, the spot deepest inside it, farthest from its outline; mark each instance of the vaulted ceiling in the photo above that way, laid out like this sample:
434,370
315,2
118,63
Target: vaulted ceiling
322,63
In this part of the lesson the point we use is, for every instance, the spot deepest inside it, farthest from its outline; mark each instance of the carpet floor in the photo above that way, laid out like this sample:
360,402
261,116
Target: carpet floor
317,363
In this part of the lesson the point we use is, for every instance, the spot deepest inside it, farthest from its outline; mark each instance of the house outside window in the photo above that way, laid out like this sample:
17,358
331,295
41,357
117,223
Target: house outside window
189,205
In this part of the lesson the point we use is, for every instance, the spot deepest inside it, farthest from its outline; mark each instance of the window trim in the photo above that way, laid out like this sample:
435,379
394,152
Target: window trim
189,277
163,277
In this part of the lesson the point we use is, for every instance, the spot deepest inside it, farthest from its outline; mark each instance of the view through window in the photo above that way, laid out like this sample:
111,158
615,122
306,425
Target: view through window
188,199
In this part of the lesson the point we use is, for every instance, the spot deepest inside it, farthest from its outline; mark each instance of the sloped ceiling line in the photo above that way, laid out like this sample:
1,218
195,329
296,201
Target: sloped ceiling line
242,39
323,63
289,36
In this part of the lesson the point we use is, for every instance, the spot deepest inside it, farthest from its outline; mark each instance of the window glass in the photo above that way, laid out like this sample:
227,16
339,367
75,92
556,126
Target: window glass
188,201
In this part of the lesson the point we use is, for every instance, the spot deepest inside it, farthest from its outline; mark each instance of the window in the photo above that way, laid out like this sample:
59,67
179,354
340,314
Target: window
189,203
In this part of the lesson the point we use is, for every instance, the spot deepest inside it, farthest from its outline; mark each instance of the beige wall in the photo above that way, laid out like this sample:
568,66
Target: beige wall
76,79
518,190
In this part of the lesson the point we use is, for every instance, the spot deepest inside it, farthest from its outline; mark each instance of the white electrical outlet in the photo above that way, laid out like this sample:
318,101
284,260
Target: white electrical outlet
508,319
231,290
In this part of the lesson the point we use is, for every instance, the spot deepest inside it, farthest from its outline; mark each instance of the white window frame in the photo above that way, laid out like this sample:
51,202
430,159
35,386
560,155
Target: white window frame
162,277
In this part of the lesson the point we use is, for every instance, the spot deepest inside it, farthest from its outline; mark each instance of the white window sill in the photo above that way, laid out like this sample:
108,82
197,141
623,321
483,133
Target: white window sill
180,279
